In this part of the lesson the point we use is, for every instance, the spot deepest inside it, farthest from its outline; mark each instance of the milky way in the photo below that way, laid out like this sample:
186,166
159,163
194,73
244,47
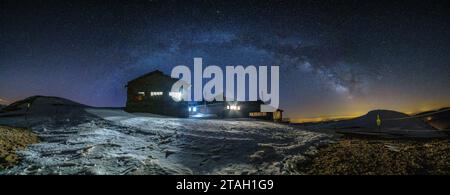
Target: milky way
336,57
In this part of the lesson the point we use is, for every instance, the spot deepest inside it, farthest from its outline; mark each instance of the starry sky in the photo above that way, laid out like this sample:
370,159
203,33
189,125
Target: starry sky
337,58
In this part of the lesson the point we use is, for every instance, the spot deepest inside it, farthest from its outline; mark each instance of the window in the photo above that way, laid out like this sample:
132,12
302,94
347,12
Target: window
140,96
157,93
257,114
233,107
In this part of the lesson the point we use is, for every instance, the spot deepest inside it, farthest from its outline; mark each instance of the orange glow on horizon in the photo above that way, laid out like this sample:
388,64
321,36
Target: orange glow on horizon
323,118
3,101
362,109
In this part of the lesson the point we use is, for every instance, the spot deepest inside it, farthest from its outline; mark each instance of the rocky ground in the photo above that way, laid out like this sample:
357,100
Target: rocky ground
361,156
11,141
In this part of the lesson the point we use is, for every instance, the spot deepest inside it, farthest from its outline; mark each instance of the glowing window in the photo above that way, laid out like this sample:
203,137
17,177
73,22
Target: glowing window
156,93
141,93
257,114
233,107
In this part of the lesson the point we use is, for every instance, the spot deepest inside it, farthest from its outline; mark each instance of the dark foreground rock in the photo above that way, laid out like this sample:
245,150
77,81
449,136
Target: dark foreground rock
11,140
379,157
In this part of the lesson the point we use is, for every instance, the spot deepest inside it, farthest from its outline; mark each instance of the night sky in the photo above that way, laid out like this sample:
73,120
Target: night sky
337,58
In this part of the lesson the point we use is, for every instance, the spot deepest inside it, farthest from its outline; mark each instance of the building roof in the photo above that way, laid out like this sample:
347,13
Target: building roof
155,72
149,74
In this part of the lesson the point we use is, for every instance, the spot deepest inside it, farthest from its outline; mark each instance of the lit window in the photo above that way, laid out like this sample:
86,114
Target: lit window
157,93
138,98
141,93
194,109
233,107
257,114
190,109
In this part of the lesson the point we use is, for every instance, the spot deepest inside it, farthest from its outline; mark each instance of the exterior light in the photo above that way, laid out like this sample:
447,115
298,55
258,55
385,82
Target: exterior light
190,109
194,109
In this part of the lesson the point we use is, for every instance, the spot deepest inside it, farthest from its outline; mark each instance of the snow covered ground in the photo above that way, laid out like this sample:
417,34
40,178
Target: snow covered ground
111,141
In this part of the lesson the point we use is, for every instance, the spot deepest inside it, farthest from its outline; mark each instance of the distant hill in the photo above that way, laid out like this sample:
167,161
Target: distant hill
42,108
439,119
432,111
393,124
392,120
40,103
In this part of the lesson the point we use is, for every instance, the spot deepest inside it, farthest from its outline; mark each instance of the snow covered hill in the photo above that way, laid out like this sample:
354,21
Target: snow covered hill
37,110
82,140
393,125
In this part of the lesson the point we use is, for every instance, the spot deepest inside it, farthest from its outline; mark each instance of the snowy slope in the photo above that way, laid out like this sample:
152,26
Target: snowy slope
43,109
393,125
111,141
